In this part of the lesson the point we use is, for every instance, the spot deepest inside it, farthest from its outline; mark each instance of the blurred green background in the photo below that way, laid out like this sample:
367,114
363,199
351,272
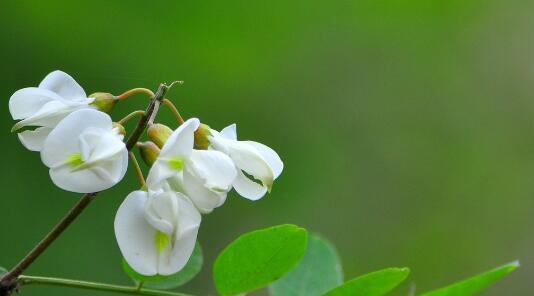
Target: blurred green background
406,127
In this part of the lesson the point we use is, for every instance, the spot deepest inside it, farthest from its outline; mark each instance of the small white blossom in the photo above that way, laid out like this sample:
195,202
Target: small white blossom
85,153
205,176
44,106
252,158
156,231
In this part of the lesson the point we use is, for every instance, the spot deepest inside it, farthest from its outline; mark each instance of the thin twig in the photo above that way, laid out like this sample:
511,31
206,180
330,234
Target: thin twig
135,290
8,281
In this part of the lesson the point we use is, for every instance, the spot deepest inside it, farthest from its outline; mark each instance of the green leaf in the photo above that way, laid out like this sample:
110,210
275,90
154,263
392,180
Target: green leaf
319,271
475,284
2,271
372,284
258,258
191,269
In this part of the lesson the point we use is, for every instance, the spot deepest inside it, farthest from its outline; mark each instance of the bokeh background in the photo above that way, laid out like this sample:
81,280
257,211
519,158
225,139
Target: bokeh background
406,127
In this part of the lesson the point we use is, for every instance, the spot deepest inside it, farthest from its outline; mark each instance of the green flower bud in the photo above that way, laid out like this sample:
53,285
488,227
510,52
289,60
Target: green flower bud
121,128
201,137
104,102
159,133
149,152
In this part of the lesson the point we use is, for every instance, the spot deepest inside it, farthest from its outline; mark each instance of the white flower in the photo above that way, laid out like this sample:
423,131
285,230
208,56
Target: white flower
85,153
44,106
252,158
204,176
156,231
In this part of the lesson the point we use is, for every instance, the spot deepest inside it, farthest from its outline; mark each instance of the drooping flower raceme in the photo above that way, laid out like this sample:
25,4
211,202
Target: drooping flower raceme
44,106
255,159
85,153
205,176
156,231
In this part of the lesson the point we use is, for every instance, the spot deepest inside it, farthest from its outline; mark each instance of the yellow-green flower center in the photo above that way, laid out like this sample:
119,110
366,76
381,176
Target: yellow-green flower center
162,241
176,163
75,160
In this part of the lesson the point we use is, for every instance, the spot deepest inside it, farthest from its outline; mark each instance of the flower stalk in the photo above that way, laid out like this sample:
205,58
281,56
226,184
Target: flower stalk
138,171
135,91
130,116
174,110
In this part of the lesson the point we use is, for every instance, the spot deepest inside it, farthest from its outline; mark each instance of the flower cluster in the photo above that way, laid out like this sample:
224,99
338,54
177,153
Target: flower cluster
192,169
80,145
183,179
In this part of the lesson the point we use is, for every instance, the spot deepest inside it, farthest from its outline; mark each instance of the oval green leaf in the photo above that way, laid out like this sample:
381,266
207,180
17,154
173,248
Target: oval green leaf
191,269
475,284
319,272
372,284
258,258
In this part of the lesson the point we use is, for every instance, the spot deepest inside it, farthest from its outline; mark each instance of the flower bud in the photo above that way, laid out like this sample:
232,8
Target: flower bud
159,133
104,102
121,128
201,137
149,152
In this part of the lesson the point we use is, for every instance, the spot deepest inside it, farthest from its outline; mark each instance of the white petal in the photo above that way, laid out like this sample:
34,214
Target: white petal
113,168
188,224
27,101
175,183
248,188
219,143
135,236
158,174
204,199
229,132
88,140
124,165
92,179
247,158
49,115
270,156
63,141
181,141
161,211
214,167
34,140
64,85
99,144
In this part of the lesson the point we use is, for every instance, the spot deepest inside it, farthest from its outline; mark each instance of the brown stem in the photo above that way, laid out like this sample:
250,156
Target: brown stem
8,281
10,278
148,117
